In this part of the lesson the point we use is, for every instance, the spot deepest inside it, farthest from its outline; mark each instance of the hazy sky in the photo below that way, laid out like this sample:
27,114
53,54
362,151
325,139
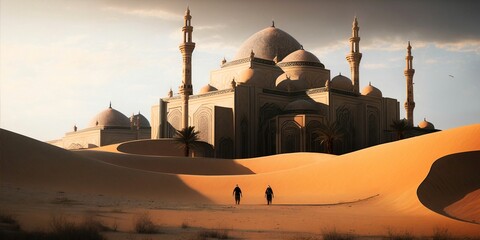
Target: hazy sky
62,62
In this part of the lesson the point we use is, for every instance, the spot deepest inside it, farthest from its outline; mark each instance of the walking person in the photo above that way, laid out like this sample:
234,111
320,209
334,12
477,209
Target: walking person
269,195
237,192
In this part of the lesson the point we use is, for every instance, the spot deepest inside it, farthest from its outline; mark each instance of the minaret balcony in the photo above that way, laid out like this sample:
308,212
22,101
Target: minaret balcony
409,72
409,105
354,39
187,28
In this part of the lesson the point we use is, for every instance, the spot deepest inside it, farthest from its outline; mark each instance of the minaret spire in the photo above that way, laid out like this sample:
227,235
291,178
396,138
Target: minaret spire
186,48
409,72
355,56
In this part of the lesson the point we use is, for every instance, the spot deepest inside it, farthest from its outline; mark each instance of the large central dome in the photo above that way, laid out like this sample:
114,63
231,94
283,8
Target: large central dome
268,43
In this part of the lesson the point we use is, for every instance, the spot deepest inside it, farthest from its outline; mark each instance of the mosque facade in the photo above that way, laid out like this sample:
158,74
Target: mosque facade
271,98
274,95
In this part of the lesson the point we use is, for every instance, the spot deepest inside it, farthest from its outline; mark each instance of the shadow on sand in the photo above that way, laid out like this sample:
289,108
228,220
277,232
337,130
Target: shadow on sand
173,165
450,179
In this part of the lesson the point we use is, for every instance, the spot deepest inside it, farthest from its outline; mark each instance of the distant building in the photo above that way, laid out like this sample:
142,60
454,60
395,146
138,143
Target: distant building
273,96
107,127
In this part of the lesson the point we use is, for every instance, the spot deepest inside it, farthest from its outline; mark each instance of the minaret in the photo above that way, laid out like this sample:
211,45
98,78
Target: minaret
186,48
409,71
355,56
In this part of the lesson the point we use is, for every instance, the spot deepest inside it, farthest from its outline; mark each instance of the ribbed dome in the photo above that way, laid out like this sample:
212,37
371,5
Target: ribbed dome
301,56
141,120
207,88
267,44
300,105
110,118
371,91
342,83
426,125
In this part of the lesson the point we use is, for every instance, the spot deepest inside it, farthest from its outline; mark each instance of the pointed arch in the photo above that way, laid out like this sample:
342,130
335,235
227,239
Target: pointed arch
202,119
312,134
174,122
290,137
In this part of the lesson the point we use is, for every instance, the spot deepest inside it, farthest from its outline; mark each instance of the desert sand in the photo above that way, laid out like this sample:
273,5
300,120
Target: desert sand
414,185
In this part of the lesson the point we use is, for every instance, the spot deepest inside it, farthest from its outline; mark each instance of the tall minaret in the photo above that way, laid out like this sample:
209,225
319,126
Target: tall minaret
355,56
186,48
409,71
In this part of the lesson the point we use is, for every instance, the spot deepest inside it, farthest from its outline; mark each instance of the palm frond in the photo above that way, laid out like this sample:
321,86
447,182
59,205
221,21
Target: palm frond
400,127
329,133
188,137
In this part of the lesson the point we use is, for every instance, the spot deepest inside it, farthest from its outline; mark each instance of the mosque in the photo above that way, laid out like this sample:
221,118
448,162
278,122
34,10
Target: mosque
271,98
107,127
274,95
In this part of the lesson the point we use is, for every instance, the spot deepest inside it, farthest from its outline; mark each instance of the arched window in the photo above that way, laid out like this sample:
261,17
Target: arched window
271,137
204,128
290,137
346,120
173,123
372,130
202,120
265,138
312,134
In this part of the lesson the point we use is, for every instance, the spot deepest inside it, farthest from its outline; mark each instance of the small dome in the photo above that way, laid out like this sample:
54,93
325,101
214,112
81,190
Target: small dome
302,56
251,76
371,91
300,105
207,88
291,81
426,125
139,119
342,83
267,44
110,118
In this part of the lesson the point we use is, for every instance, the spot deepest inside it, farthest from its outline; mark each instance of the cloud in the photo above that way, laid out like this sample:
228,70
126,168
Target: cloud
147,13
391,44
461,46
323,52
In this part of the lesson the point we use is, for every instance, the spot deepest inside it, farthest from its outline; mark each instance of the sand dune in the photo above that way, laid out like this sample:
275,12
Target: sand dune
450,179
175,165
130,155
418,183
468,208
29,163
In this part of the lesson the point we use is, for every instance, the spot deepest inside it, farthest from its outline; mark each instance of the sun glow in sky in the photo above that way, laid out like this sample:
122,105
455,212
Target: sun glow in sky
62,62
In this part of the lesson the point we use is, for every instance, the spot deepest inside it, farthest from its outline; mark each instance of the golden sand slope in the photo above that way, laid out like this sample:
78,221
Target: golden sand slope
116,154
26,162
396,173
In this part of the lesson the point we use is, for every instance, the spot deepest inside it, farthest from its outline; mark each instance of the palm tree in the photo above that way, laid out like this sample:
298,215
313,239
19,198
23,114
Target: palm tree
400,127
329,133
188,137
